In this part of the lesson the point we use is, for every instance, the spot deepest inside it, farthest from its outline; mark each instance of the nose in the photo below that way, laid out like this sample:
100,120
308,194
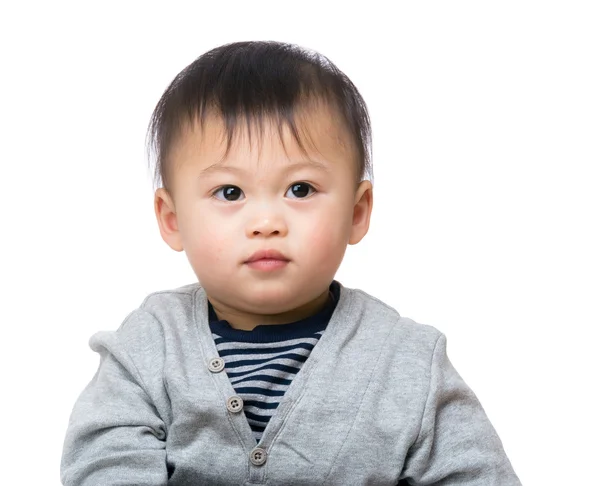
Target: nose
266,224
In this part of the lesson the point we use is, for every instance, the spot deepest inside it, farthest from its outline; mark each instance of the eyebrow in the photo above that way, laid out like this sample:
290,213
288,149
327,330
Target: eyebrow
219,167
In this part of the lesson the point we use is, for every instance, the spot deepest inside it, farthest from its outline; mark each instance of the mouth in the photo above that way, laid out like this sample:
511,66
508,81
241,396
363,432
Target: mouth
266,264
268,255
267,260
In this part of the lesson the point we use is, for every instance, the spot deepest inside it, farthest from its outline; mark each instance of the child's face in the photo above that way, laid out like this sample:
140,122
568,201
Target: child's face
263,210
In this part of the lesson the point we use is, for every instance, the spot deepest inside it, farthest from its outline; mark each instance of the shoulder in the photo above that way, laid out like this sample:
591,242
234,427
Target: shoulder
180,297
374,311
401,349
143,331
380,319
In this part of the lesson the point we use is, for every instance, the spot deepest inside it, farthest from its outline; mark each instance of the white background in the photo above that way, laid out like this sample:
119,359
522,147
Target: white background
486,120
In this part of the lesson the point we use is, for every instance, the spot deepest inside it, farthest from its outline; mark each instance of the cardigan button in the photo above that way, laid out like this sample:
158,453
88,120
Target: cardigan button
216,364
235,404
258,456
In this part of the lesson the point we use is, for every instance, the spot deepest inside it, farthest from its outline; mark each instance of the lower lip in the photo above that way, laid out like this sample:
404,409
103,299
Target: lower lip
267,264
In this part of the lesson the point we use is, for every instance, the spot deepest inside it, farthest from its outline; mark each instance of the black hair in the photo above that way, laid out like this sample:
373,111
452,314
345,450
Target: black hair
250,81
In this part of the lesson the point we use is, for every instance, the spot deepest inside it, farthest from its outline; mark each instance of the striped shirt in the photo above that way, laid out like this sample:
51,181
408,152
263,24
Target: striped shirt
262,363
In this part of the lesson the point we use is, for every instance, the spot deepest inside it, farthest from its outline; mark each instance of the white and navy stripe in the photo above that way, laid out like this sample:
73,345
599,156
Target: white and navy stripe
262,363
261,372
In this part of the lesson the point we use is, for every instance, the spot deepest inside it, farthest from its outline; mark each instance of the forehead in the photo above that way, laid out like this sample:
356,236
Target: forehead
256,143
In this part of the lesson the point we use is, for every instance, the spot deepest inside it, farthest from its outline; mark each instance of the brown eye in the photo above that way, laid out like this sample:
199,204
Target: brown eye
301,190
230,193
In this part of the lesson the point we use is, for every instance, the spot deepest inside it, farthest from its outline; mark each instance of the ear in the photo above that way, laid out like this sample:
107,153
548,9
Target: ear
363,206
167,219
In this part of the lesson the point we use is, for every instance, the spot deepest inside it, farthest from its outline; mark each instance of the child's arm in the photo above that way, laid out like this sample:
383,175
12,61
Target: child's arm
457,444
115,434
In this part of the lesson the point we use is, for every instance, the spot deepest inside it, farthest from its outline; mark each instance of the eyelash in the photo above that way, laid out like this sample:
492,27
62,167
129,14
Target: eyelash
312,190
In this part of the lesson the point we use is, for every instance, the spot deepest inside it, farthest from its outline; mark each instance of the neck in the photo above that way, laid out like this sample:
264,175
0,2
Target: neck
238,319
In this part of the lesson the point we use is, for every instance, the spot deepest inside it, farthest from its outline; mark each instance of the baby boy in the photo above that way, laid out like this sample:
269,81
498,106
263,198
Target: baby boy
268,371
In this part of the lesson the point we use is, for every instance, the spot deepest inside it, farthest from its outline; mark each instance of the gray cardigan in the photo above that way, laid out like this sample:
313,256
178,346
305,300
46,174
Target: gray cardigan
376,403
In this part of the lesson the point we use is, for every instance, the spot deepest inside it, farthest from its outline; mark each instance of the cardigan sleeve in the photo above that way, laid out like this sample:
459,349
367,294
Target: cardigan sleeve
115,434
457,444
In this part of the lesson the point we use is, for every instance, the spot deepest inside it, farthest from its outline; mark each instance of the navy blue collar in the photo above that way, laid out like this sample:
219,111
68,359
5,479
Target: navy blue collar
278,332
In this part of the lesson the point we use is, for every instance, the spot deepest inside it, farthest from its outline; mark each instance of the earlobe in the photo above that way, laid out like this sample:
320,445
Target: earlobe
167,219
362,212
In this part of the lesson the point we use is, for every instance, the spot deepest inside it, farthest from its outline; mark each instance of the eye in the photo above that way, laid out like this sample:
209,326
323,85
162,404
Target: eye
230,193
301,190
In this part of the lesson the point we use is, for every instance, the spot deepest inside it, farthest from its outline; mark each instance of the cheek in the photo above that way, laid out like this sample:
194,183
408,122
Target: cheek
207,243
328,236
